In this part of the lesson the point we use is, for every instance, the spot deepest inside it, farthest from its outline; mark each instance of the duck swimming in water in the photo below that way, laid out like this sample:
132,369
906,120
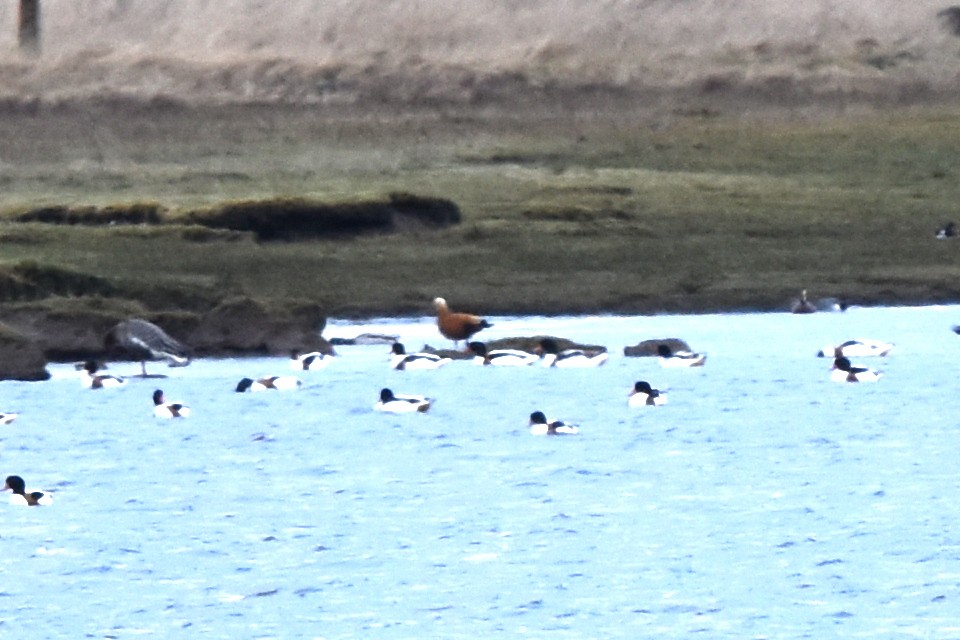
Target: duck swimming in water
313,361
541,426
844,371
93,379
391,402
164,409
643,395
670,359
403,361
501,357
21,496
277,383
553,356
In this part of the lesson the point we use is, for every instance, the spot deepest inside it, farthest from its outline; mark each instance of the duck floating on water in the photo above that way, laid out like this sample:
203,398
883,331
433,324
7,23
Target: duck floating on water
500,357
21,496
143,341
164,409
553,356
844,371
856,349
643,395
391,402
312,361
670,359
8,417
541,426
267,383
93,379
457,326
421,360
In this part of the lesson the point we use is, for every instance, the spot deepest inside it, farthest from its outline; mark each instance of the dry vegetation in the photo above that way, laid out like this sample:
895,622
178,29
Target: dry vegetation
619,156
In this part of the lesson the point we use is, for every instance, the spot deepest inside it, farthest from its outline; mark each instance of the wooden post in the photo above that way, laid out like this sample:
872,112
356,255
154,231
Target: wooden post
29,26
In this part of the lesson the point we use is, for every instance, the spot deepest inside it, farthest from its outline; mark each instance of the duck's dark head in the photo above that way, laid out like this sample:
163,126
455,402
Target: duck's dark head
537,417
643,386
386,395
398,349
15,484
158,397
477,348
244,384
664,350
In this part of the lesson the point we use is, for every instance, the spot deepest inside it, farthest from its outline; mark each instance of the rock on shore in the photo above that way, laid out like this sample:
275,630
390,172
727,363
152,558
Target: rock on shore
34,334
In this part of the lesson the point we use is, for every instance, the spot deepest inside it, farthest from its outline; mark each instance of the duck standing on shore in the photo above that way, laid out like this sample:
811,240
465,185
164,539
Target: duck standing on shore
803,305
457,326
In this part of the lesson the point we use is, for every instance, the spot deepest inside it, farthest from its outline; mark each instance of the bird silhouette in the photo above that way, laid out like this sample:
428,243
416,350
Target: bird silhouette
142,340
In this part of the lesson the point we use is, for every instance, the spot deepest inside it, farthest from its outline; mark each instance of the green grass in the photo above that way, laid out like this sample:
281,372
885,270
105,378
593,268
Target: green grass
560,213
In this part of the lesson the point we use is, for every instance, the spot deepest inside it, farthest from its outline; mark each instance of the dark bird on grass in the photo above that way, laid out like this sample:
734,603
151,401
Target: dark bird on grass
457,326
143,341
948,230
803,305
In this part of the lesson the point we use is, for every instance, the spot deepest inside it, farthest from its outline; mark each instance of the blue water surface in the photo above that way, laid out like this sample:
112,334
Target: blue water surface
764,501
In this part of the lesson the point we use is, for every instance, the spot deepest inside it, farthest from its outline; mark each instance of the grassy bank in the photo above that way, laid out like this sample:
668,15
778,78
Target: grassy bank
561,212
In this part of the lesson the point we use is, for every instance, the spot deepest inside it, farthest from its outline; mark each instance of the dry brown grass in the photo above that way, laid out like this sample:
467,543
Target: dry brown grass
430,52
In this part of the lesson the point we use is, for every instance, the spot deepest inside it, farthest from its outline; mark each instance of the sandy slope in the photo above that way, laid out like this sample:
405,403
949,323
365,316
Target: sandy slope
485,51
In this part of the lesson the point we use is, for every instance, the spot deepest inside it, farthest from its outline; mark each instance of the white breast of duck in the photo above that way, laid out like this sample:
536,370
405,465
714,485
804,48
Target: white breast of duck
643,395
844,371
501,357
857,349
22,496
313,361
169,410
391,402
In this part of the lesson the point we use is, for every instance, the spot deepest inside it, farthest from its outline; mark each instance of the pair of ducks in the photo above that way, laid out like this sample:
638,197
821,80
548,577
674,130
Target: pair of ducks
843,370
